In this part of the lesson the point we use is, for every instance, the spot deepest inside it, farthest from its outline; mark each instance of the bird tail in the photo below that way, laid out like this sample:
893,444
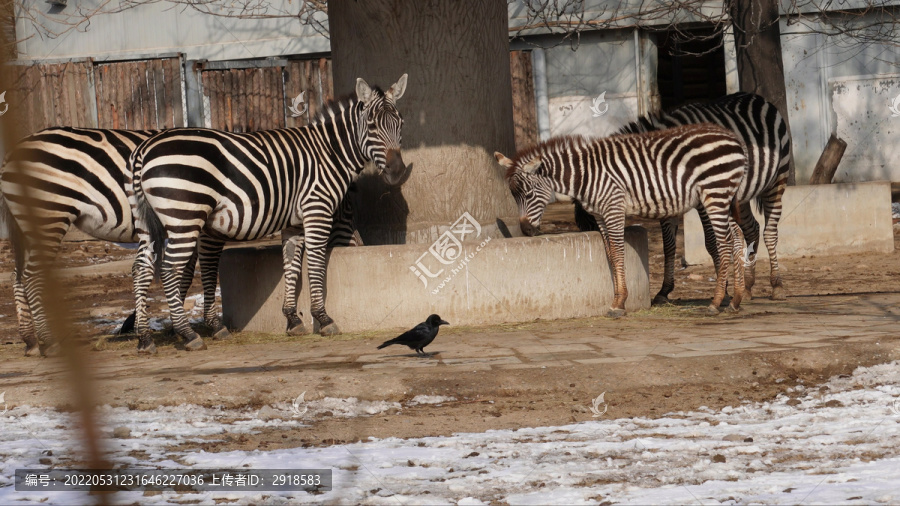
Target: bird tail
387,343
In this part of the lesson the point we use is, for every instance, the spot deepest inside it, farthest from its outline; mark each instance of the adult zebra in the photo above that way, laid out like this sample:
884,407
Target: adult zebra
64,176
660,174
244,186
763,130
51,180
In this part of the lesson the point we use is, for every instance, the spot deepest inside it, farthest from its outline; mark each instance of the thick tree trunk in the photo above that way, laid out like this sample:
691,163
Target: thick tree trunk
457,109
757,39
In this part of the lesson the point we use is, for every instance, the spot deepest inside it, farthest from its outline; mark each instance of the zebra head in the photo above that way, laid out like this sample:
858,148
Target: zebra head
531,191
380,139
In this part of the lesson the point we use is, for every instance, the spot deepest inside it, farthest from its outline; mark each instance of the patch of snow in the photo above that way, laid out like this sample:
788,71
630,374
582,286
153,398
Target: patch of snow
430,399
838,445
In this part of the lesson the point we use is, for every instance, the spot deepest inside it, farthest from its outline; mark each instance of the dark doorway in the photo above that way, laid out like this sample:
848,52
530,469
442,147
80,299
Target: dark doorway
691,67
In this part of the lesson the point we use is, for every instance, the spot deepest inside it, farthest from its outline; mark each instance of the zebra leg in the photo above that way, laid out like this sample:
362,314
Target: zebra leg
709,240
210,252
292,247
750,229
318,229
737,260
770,202
669,232
612,227
34,282
142,273
720,223
173,267
24,317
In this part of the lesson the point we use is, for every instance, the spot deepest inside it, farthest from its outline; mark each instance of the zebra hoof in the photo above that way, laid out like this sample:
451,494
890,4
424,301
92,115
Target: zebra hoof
150,349
732,309
615,313
712,310
195,344
50,351
297,330
778,293
222,333
748,293
330,330
659,300
32,350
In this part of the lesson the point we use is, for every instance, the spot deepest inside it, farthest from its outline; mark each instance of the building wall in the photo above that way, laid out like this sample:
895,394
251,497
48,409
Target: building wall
162,27
838,85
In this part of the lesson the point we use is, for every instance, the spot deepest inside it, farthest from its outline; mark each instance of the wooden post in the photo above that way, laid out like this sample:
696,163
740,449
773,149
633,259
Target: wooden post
828,162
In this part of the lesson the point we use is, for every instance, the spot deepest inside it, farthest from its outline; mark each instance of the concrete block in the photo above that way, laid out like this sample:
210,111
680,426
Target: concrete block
502,280
826,219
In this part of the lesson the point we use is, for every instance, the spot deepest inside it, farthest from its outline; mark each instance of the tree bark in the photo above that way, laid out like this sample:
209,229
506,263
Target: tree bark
457,109
757,39
828,162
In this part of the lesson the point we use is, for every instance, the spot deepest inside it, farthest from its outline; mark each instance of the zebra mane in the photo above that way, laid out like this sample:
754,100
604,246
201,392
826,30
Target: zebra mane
333,108
645,123
551,146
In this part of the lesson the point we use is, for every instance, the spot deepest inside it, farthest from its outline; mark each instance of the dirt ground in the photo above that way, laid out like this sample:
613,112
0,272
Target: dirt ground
857,291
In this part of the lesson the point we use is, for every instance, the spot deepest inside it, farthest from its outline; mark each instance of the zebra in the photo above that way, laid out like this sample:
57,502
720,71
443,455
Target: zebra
660,174
763,130
242,186
51,180
64,176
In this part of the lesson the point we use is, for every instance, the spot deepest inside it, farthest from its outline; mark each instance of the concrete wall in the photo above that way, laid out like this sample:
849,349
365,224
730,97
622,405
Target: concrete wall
818,220
815,67
504,280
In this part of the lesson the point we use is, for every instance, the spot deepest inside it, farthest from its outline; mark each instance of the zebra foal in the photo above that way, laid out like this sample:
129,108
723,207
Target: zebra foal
659,175
243,186
763,130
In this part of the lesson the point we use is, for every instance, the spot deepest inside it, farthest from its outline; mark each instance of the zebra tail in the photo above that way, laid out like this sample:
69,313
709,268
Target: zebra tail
146,214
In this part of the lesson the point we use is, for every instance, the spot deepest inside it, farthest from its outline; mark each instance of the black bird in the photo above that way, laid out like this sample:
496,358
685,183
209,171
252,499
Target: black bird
419,336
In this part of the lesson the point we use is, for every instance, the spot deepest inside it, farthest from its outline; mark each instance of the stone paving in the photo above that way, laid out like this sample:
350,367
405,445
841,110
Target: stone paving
671,333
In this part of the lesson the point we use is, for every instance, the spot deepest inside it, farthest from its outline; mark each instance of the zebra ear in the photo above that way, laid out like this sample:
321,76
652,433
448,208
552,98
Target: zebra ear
363,90
398,88
532,166
504,161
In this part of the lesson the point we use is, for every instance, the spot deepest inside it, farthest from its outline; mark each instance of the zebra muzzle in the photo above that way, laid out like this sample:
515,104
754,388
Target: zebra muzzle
528,229
395,171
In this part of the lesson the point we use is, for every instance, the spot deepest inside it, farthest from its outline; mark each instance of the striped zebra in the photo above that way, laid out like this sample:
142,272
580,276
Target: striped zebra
659,175
242,186
763,130
64,176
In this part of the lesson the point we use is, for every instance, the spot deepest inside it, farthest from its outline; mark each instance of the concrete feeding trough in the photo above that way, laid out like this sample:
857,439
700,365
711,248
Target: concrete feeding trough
487,281
824,219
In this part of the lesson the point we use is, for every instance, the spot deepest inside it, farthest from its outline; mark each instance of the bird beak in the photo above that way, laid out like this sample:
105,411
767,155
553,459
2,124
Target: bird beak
443,322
